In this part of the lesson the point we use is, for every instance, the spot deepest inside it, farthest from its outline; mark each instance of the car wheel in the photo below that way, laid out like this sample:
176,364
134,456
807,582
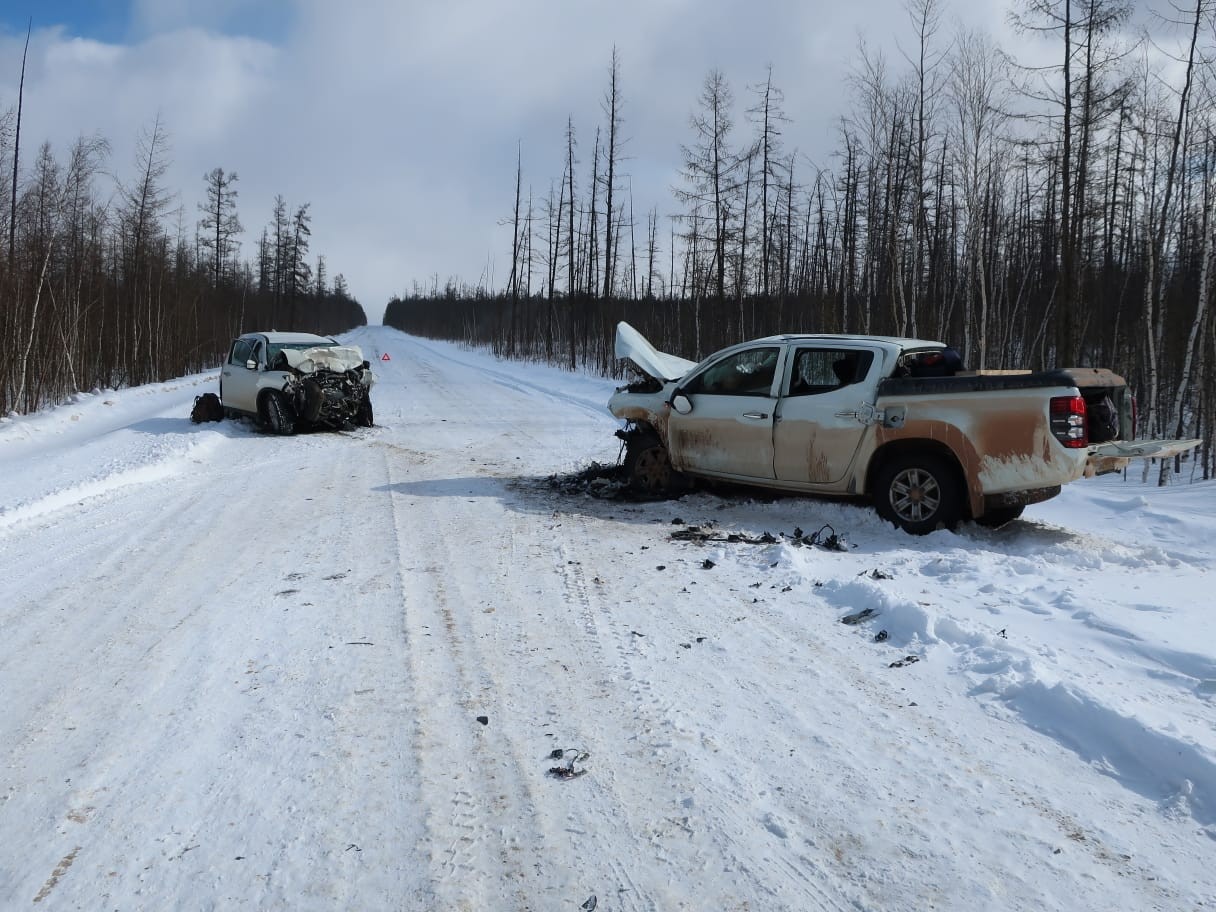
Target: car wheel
999,516
648,468
363,418
277,413
919,494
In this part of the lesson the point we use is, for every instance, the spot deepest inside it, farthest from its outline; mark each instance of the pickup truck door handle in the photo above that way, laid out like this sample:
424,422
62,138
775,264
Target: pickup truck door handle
758,415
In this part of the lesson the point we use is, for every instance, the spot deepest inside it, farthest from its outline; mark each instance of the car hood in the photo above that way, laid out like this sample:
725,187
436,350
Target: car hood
332,358
631,345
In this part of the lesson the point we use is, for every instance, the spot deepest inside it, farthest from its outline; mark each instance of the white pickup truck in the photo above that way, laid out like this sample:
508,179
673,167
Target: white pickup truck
886,418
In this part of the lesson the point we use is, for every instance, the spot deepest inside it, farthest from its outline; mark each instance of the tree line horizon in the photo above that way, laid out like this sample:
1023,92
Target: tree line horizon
1032,219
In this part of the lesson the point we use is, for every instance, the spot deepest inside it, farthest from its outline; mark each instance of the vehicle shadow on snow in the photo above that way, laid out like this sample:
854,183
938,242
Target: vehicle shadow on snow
739,508
159,427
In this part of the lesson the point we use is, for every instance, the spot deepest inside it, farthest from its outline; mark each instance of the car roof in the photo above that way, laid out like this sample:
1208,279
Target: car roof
288,338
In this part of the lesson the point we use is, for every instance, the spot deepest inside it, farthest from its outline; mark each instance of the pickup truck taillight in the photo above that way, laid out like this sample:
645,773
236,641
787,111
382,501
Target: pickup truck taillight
1068,421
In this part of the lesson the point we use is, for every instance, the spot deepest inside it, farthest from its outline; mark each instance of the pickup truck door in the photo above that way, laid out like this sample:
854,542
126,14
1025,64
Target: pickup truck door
729,430
820,419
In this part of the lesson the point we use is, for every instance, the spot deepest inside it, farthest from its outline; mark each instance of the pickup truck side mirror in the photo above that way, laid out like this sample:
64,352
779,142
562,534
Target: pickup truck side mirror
681,403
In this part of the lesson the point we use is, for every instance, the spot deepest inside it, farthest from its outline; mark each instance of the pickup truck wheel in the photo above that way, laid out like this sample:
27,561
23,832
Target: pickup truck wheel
648,468
277,413
919,494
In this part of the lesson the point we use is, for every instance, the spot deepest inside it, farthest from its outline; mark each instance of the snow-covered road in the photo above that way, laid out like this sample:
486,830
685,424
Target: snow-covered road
331,672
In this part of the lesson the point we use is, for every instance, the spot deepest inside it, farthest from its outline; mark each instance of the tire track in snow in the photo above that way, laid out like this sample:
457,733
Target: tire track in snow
470,782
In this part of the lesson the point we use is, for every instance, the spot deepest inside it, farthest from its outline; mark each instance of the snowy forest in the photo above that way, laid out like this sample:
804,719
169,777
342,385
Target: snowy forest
1032,217
107,283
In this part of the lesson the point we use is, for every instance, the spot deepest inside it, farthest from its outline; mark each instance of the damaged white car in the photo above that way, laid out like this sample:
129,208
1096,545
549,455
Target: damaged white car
289,381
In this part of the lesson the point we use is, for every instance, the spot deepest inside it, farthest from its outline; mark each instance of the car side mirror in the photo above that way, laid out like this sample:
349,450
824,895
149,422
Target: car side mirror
367,365
251,364
681,403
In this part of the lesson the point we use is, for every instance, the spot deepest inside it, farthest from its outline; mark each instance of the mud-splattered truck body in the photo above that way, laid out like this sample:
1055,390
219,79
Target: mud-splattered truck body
886,418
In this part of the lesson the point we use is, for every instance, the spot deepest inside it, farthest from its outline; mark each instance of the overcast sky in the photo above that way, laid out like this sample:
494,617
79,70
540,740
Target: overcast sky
399,120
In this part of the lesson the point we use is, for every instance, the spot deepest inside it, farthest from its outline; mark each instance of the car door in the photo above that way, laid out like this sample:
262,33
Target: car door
239,384
817,431
729,429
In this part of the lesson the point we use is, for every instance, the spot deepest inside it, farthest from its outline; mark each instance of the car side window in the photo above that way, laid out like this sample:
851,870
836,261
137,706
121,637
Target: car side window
821,370
240,352
745,373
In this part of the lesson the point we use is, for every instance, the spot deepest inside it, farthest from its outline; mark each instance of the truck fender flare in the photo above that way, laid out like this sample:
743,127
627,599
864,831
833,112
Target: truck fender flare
936,445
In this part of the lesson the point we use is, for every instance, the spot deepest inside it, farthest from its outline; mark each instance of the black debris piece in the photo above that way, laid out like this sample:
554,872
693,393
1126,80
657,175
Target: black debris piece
701,535
1001,633
877,574
557,754
906,660
574,755
825,538
707,564
590,904
661,567
880,637
686,645
484,720
636,634
858,616
604,482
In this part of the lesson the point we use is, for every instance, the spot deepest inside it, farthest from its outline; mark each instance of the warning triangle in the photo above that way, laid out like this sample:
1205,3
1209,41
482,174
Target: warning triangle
385,357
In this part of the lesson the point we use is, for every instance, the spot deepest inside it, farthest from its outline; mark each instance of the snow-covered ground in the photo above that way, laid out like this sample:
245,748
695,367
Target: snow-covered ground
331,672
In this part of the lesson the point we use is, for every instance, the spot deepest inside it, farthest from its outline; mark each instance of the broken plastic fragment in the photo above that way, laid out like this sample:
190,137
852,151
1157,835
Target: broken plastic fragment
858,617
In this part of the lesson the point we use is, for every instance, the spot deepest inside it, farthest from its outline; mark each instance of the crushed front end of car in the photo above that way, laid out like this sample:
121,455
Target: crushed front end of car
328,387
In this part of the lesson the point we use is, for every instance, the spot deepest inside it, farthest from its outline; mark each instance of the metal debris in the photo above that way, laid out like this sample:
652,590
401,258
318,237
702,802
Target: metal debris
858,617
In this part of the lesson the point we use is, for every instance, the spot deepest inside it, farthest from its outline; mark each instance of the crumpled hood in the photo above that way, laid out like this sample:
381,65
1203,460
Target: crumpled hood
335,358
632,345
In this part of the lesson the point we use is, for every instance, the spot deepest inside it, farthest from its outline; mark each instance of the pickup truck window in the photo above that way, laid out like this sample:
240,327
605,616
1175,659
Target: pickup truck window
821,370
745,373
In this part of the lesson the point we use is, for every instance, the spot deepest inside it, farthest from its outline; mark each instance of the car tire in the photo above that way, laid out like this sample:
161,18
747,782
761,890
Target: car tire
999,516
277,413
363,418
648,469
919,493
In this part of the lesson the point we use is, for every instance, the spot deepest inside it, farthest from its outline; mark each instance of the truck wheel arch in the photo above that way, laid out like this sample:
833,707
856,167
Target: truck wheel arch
904,450
944,441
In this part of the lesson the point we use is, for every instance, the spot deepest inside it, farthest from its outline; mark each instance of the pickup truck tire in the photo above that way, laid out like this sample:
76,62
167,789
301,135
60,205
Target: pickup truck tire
919,493
648,468
277,413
